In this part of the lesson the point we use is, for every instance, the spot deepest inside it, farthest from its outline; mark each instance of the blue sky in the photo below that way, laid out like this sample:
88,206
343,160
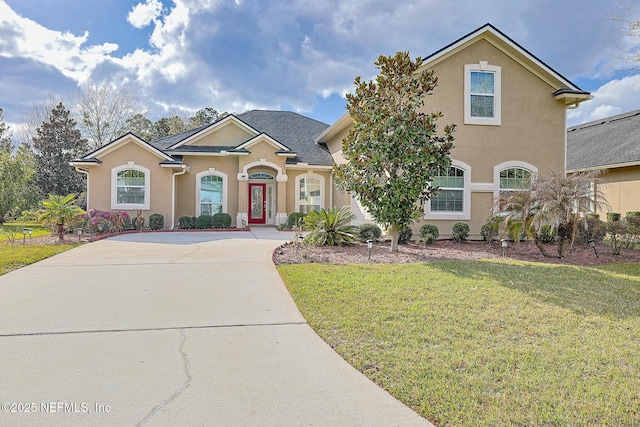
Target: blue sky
299,55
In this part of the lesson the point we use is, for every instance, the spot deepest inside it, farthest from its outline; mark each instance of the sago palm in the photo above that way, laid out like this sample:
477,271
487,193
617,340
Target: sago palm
330,227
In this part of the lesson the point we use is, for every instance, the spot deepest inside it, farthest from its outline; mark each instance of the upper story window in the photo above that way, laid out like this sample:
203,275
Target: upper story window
130,187
482,94
453,201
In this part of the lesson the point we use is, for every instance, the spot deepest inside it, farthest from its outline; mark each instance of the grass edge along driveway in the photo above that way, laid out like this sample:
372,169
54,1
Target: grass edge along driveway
485,343
15,256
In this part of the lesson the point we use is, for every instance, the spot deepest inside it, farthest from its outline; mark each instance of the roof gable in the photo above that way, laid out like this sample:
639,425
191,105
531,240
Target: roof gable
510,48
196,137
119,142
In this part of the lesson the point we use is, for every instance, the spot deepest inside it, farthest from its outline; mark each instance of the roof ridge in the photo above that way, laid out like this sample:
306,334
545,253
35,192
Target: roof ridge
605,120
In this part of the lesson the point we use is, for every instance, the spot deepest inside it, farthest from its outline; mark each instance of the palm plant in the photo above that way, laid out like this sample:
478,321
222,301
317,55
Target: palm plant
558,201
59,210
330,227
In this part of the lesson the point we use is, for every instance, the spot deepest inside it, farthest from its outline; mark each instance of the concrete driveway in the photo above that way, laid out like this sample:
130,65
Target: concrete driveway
172,329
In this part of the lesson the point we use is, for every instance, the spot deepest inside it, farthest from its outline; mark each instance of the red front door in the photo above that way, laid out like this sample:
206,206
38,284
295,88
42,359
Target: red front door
257,203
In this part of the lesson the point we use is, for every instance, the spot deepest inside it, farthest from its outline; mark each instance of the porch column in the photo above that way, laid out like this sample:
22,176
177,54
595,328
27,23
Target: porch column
281,211
242,218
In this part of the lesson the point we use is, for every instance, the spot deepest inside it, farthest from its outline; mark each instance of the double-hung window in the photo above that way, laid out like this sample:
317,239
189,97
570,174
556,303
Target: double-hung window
482,92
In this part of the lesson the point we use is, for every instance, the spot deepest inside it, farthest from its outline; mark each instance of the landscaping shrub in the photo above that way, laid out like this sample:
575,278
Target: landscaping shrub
429,233
490,230
156,221
613,216
204,221
138,221
118,220
369,232
460,232
547,234
295,219
221,220
633,219
405,236
592,229
185,223
330,227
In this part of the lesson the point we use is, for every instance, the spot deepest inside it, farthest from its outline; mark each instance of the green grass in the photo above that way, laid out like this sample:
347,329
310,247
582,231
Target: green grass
14,256
486,343
13,230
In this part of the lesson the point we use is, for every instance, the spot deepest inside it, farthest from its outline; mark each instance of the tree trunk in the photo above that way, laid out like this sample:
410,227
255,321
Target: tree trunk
540,246
394,238
61,232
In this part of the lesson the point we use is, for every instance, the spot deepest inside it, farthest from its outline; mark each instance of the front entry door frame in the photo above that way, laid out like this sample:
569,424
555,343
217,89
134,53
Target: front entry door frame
257,203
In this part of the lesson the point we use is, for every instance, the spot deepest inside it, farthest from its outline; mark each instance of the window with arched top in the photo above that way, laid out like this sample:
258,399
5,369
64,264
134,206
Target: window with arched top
309,193
130,187
453,199
512,176
211,193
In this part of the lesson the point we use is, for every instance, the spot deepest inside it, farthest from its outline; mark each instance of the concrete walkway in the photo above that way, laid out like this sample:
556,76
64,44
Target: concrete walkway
173,329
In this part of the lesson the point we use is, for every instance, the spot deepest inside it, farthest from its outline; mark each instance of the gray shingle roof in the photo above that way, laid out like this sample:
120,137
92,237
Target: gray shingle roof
600,143
294,131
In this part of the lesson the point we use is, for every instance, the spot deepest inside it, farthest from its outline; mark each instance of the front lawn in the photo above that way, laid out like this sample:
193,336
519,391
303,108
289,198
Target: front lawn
486,343
13,231
14,256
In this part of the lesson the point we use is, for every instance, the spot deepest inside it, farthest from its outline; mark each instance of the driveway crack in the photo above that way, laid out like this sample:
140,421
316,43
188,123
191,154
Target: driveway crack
186,368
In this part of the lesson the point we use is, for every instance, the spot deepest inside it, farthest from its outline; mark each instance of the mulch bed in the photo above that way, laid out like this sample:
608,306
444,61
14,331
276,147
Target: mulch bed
447,250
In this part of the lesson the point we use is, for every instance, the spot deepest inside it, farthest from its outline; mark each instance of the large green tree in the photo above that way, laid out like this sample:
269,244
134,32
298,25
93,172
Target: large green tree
17,176
393,150
56,143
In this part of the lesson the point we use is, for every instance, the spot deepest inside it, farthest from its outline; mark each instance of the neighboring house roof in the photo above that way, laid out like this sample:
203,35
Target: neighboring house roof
564,90
605,143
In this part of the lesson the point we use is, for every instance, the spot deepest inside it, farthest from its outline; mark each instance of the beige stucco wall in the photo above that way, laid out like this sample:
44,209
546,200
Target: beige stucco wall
130,151
532,128
621,188
225,135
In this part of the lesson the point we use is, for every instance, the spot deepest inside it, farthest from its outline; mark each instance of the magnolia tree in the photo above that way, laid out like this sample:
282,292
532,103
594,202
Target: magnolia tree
393,151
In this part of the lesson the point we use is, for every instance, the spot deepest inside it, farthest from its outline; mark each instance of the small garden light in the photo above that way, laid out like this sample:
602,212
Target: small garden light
504,247
24,236
79,233
369,247
30,233
298,239
100,227
593,246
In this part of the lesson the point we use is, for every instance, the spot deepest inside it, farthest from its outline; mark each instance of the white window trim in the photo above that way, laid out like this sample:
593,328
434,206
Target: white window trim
465,214
297,189
508,165
225,188
496,120
114,188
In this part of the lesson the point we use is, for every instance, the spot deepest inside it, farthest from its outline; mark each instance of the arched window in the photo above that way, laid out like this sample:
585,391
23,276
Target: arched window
309,193
453,200
512,176
211,193
450,197
130,187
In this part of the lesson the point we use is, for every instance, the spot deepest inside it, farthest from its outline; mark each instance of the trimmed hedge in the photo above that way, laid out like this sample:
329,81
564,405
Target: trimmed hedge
429,233
369,232
460,232
204,222
405,236
185,223
221,220
156,221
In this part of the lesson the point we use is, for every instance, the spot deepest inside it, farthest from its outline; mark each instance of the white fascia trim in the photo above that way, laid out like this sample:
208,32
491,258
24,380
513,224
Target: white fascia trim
116,143
260,137
466,198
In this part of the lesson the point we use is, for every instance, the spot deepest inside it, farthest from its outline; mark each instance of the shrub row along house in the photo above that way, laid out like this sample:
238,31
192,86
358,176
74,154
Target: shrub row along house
260,166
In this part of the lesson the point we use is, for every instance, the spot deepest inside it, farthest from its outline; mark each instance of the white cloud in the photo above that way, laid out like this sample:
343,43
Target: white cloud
144,14
615,97
63,51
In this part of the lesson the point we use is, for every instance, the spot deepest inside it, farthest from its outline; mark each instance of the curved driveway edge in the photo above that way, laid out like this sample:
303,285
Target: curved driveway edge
170,329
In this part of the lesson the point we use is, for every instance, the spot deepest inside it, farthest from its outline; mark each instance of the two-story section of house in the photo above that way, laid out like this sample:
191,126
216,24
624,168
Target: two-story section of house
510,112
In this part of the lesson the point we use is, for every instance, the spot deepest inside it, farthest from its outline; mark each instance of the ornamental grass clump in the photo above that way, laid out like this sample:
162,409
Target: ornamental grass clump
330,227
